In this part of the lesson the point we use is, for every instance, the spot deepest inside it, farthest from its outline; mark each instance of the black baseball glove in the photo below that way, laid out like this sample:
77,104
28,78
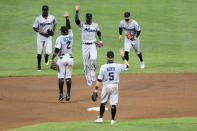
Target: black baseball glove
94,96
50,32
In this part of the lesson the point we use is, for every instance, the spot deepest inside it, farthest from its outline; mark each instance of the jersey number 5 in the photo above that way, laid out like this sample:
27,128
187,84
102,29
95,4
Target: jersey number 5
111,76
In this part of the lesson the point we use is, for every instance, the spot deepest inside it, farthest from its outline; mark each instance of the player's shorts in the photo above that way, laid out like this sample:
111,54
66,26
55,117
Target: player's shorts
110,92
47,42
63,62
135,44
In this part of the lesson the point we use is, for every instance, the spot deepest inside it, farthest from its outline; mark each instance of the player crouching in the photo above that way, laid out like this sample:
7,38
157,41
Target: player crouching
63,49
109,76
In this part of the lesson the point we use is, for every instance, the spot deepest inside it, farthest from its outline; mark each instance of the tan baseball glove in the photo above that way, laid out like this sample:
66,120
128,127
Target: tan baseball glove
129,36
54,66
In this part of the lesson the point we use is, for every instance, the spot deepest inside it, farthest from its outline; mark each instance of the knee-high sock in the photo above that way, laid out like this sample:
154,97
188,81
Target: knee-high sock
39,56
102,110
46,58
68,83
61,85
140,56
113,112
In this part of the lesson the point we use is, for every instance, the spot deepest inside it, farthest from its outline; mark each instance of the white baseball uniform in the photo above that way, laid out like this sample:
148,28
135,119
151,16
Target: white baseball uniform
109,74
89,50
132,27
64,43
44,24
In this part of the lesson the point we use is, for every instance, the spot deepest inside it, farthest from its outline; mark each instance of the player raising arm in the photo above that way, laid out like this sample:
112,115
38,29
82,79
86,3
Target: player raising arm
109,76
63,48
89,50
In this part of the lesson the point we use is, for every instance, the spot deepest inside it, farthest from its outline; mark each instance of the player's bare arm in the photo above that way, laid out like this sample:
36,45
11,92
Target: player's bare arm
77,8
123,58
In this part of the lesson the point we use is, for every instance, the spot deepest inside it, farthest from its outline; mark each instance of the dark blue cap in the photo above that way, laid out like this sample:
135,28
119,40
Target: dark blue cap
110,54
45,8
89,16
126,14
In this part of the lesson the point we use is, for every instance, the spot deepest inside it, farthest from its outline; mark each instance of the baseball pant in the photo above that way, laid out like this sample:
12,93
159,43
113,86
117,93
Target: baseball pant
110,92
47,43
89,52
135,44
63,62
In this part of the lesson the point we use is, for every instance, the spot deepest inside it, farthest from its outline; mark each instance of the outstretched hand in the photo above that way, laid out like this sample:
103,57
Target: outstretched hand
77,7
66,13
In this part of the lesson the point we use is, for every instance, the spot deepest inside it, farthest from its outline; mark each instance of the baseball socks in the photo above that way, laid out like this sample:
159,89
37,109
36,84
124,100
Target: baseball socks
141,61
102,110
46,59
113,114
61,84
68,83
39,56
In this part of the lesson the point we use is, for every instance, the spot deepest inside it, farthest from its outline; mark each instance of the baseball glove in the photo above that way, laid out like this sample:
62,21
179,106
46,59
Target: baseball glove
54,66
100,44
50,32
94,96
129,36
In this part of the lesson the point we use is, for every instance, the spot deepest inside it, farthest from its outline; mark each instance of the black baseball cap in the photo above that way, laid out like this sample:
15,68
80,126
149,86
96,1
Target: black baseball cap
126,14
88,15
110,54
45,8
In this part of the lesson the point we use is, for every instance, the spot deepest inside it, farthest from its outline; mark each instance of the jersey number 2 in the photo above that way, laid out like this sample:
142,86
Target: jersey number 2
68,44
111,76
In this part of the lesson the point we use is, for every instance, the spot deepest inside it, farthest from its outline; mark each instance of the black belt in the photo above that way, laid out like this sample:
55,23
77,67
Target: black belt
88,43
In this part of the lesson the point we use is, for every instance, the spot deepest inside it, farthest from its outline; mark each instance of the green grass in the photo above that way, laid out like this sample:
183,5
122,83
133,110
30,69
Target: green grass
168,38
175,124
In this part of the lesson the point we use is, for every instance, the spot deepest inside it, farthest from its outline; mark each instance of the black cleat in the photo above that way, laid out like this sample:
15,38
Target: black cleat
61,97
67,97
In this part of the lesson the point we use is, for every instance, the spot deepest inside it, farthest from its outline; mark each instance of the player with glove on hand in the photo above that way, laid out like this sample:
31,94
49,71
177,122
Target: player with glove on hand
63,48
109,76
88,30
132,33
42,26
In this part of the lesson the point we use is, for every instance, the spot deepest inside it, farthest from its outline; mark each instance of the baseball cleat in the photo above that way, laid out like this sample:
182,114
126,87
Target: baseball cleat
67,97
47,63
113,122
99,120
93,78
89,82
61,97
142,65
39,68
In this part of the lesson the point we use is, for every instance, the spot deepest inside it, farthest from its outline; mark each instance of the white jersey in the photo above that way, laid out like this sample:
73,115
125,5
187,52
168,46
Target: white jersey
132,27
109,73
44,24
88,32
64,43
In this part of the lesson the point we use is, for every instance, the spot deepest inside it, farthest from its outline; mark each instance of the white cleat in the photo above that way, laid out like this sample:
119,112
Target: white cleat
93,78
113,122
142,65
89,82
99,120
47,63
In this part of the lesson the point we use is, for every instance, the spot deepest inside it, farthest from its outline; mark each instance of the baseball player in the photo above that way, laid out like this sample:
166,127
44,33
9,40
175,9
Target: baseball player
89,51
42,26
109,76
63,48
132,33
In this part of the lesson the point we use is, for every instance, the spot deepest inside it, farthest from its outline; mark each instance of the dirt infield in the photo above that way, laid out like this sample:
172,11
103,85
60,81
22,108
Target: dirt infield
32,100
